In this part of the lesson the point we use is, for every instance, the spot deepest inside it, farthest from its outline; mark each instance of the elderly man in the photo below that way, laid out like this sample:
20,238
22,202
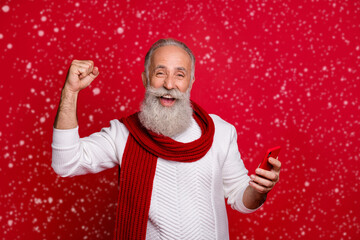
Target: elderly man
177,163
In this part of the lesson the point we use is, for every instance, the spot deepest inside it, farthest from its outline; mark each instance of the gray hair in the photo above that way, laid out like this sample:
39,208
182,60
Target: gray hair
168,42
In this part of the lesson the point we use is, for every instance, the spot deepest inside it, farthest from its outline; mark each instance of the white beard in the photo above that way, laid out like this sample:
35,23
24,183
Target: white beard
167,121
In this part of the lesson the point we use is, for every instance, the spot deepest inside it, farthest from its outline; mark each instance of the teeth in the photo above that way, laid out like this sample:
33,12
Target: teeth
167,96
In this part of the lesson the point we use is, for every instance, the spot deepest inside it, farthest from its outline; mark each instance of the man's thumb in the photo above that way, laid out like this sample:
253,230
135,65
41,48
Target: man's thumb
86,81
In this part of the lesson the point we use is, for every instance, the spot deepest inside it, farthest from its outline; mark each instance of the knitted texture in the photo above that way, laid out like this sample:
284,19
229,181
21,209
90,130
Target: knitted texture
139,165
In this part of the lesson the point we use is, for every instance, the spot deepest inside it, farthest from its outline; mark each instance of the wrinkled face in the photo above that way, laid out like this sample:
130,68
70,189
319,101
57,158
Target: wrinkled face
170,68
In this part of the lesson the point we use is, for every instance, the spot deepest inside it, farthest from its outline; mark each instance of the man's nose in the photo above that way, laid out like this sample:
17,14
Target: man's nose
169,83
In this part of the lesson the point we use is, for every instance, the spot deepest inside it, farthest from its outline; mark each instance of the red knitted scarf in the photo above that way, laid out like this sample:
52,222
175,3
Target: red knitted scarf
138,167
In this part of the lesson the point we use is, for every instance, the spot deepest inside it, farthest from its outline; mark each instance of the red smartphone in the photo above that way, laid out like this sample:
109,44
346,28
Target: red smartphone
271,152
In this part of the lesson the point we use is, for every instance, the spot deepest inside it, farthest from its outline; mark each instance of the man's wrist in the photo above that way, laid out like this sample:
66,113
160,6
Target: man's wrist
66,91
253,199
68,99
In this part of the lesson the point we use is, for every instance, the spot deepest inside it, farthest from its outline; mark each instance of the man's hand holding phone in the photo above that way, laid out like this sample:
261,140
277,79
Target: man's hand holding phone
267,174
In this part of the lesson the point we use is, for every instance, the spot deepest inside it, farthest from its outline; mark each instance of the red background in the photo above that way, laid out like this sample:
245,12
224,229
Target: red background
283,72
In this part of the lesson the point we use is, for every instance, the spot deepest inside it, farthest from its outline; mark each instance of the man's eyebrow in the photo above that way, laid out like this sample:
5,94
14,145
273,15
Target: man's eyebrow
160,66
163,67
181,69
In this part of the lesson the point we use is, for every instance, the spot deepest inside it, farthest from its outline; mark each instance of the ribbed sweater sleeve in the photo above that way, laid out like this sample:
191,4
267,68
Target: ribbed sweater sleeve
72,155
235,175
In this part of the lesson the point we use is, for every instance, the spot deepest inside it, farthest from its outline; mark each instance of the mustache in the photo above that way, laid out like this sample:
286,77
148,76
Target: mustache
160,92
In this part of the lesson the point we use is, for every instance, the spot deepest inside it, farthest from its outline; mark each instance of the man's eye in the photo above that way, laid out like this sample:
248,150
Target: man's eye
180,75
159,73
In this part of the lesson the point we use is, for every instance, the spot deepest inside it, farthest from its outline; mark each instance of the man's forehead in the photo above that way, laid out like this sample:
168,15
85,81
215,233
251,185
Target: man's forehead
171,52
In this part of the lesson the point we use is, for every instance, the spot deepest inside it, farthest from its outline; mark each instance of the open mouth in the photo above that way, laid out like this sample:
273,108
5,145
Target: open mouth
167,100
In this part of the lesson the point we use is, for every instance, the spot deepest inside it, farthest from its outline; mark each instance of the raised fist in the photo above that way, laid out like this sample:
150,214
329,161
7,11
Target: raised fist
81,73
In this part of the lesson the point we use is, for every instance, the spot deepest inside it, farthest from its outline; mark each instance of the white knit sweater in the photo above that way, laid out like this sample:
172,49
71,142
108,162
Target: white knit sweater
188,198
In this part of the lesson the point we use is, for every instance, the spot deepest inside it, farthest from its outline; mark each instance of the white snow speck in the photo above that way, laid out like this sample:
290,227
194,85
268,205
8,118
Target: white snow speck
5,8
9,46
41,33
120,30
96,91
43,18
10,222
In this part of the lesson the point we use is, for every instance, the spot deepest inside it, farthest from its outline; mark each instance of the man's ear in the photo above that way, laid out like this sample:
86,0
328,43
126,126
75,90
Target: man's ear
192,82
144,79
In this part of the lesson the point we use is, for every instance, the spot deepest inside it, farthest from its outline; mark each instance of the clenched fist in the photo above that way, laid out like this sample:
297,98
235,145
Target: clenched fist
81,73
